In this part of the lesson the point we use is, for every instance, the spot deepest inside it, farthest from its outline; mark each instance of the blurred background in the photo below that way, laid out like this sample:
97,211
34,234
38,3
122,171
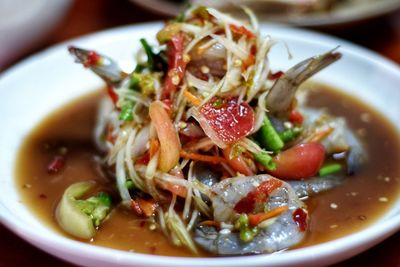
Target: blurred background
26,27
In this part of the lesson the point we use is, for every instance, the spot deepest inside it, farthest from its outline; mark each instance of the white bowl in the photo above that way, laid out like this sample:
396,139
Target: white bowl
344,13
40,84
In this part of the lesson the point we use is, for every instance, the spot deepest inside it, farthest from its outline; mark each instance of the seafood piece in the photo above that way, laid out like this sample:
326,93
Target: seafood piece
280,96
228,198
342,139
105,67
315,185
205,174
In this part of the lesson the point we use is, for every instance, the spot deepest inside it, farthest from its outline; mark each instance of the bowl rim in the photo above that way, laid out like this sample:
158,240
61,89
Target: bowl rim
299,256
315,20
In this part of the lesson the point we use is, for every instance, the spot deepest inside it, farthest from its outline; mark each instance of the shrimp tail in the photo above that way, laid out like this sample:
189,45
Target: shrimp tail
105,67
281,95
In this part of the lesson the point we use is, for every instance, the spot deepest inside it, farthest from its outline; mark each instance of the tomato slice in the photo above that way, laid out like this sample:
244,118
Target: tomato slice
300,161
237,163
228,119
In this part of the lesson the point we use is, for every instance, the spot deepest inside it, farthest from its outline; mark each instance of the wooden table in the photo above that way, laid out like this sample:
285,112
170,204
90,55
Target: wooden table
382,36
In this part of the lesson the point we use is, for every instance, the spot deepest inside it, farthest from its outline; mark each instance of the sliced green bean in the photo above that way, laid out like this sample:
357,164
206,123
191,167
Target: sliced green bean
269,138
330,169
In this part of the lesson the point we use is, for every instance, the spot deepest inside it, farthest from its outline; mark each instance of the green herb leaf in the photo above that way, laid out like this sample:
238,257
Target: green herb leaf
126,112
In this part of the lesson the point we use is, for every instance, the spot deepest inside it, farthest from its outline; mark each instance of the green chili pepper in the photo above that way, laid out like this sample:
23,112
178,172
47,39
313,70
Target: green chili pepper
290,134
329,169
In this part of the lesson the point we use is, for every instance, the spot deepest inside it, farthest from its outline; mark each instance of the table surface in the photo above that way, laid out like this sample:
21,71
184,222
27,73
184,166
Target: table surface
381,35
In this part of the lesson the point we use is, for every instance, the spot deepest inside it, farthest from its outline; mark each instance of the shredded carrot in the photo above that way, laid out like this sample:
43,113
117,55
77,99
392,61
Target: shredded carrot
242,31
200,157
175,189
148,206
192,98
154,146
251,59
321,135
210,223
255,219
144,207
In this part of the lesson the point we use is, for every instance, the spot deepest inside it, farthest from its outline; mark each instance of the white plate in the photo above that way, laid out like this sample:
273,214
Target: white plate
344,13
38,85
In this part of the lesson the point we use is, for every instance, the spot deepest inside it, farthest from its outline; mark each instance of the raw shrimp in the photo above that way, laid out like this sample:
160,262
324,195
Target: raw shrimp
303,188
281,95
281,232
105,67
341,140
315,185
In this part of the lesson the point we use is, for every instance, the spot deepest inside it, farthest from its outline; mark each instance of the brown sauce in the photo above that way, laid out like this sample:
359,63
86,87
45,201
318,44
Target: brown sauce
336,213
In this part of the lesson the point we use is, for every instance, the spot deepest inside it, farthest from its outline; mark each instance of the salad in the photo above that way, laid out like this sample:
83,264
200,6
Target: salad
208,144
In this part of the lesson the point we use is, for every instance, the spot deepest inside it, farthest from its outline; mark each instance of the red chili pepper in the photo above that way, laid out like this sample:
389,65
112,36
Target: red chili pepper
143,160
176,65
258,195
296,117
242,31
168,106
136,207
275,75
56,164
92,59
144,207
300,217
111,93
148,206
251,59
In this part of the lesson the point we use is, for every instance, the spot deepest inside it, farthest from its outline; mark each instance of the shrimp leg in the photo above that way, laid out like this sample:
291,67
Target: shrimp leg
105,67
281,95
315,185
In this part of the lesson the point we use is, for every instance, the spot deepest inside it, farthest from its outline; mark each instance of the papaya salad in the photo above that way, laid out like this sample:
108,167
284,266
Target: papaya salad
208,144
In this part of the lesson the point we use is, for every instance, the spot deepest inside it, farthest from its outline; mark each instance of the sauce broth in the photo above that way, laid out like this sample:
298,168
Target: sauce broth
360,201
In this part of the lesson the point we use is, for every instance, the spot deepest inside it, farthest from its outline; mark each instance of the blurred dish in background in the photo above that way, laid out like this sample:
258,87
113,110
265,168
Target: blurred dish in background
308,13
24,24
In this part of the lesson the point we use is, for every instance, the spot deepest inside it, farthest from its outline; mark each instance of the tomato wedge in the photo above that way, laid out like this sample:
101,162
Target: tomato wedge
176,65
227,119
237,163
300,161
